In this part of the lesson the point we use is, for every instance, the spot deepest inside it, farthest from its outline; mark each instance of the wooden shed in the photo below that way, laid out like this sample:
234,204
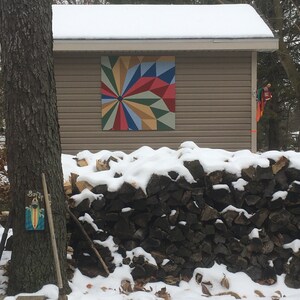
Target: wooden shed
157,75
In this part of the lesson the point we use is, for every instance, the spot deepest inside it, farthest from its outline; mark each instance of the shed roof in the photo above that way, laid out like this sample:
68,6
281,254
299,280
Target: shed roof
158,23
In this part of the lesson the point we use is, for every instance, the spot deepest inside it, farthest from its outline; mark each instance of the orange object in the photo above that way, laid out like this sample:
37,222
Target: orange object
263,95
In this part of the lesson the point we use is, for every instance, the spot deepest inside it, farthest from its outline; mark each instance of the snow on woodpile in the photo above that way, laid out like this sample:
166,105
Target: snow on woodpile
171,211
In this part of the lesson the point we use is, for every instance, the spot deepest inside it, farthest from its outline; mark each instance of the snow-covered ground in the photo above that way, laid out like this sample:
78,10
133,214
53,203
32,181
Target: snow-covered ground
216,281
136,168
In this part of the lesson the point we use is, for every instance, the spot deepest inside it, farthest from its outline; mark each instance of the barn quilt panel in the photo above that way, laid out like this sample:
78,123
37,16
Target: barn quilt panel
138,92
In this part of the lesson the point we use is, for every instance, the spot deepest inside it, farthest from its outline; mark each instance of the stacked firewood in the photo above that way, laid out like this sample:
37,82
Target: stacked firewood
243,222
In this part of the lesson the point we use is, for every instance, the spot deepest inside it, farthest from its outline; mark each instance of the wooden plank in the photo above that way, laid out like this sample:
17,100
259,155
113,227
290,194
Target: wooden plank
96,55
220,77
31,297
84,121
209,121
134,140
179,114
201,73
213,108
217,98
213,60
181,99
181,89
80,84
179,102
78,78
215,84
191,121
180,108
80,90
67,87
183,127
79,97
123,134
212,103
82,103
95,114
201,70
75,148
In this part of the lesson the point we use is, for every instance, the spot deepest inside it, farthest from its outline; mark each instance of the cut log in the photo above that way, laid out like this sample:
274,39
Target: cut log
209,213
264,173
81,185
101,165
81,162
73,178
68,187
185,225
280,164
31,297
249,173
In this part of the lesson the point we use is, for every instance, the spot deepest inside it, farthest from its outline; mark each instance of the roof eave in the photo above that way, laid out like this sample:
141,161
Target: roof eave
257,44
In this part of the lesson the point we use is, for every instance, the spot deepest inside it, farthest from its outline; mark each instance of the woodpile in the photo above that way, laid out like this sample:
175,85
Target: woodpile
242,222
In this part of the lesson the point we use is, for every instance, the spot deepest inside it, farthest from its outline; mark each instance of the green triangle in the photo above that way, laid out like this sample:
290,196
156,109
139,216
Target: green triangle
162,126
143,101
106,117
105,61
169,119
158,112
108,72
144,95
160,105
113,60
107,82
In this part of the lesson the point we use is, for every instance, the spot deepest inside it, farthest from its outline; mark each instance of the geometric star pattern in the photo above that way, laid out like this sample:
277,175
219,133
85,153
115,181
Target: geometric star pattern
138,92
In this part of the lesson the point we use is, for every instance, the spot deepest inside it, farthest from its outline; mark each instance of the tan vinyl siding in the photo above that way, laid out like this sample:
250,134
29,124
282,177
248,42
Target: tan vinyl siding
213,103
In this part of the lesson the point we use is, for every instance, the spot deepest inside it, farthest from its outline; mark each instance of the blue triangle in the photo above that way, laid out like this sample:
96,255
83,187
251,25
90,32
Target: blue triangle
162,66
128,78
151,72
136,76
145,66
168,75
130,120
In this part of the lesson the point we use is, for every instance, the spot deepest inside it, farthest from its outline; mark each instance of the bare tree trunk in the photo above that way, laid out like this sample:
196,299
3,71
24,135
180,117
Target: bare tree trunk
32,137
285,56
283,52
273,120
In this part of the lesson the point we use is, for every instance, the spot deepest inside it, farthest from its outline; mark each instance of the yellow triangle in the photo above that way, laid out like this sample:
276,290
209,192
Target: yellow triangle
107,106
143,111
148,124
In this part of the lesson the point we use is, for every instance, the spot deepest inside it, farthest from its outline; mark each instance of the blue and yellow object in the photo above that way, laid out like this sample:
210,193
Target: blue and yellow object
34,213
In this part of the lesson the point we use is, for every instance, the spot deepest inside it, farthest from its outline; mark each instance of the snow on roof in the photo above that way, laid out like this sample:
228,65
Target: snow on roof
158,22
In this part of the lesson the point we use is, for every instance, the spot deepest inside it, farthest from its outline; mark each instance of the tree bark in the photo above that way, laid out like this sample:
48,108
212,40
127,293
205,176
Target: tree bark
284,54
32,138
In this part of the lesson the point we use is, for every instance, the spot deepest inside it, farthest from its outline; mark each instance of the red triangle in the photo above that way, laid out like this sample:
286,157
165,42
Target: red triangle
158,83
120,120
170,92
170,104
105,90
142,85
160,91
